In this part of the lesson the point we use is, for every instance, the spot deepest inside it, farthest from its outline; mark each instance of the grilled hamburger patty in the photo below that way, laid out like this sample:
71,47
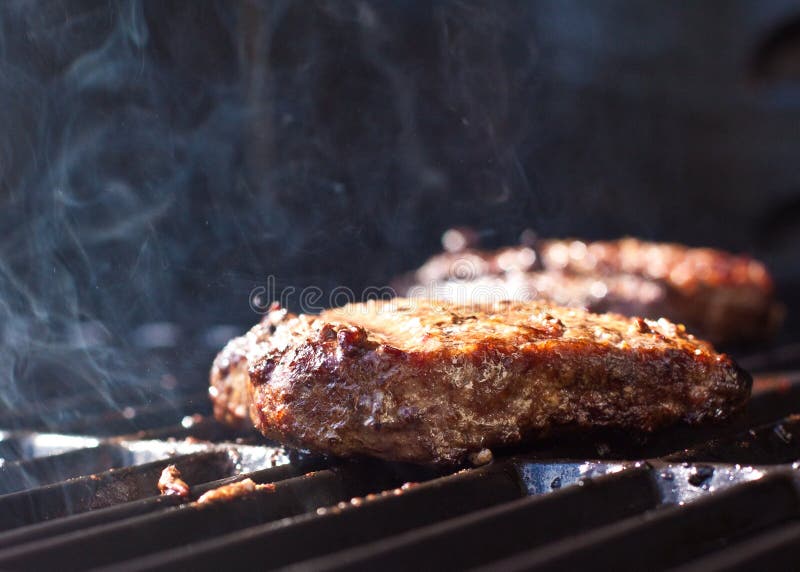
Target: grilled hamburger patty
412,380
723,297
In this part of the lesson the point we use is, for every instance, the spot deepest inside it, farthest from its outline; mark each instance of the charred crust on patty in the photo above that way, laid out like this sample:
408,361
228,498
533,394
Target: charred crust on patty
409,386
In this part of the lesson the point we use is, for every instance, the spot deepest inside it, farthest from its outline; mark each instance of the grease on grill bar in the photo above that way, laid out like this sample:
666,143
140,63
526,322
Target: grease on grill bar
724,499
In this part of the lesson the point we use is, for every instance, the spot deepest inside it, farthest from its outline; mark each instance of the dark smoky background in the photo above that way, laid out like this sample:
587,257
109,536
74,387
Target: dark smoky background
159,159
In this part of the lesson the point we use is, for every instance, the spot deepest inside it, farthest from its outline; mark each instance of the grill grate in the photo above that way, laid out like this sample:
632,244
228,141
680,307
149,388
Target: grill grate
725,498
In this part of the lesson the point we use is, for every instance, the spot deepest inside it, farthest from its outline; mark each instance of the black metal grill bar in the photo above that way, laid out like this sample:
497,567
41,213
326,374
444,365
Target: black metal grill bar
140,535
52,528
773,550
21,475
281,543
773,397
296,468
197,427
671,535
59,411
105,489
125,421
492,533
478,517
774,443
94,414
85,520
784,357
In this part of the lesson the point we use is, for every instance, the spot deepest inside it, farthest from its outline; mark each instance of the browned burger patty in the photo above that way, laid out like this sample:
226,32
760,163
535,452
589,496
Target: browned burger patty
723,297
412,380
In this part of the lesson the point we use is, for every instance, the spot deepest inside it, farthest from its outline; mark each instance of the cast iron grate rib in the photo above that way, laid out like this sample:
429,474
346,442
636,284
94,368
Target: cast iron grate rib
725,498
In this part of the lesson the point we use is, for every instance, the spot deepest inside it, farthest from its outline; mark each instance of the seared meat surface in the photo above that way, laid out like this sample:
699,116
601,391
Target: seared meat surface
230,370
425,382
723,297
233,490
171,483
